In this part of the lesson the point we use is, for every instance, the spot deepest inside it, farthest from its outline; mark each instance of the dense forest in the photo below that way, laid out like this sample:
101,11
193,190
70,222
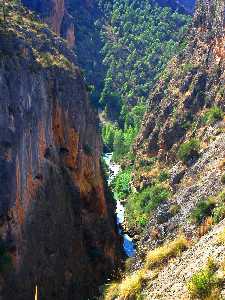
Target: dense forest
138,40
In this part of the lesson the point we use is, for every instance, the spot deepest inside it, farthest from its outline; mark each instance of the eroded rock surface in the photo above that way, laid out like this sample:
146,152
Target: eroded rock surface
56,222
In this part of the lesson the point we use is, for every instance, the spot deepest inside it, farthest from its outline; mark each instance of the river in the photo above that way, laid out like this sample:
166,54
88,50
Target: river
128,243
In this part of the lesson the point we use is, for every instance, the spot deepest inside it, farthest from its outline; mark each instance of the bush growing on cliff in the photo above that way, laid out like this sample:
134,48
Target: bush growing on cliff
214,114
219,213
121,184
203,209
140,205
189,150
205,283
163,176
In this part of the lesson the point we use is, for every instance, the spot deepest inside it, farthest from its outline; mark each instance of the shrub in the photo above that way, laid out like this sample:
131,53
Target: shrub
121,184
108,133
163,176
221,196
171,249
189,150
204,283
219,213
147,162
214,114
203,209
140,205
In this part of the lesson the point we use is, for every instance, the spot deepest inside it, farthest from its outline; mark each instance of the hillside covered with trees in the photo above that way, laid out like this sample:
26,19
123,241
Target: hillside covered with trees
138,40
112,150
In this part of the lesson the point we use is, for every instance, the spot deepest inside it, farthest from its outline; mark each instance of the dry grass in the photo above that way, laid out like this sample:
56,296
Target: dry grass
169,250
130,287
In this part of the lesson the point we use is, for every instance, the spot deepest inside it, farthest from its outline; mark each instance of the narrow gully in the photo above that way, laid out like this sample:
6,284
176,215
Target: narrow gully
114,169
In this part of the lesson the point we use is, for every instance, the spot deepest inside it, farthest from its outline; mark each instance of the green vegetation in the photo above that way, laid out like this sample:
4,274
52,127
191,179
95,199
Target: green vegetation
205,283
219,213
211,207
121,184
120,140
186,68
140,205
189,150
221,196
213,115
203,209
163,176
117,140
139,38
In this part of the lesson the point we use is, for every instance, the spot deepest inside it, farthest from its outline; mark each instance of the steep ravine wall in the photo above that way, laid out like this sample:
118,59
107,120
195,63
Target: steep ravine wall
56,222
192,82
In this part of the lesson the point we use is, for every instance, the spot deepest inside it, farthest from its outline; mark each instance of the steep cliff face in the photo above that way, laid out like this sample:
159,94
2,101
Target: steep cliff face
56,223
192,83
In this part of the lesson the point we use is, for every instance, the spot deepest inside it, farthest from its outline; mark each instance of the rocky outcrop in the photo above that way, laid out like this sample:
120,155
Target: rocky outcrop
56,223
55,14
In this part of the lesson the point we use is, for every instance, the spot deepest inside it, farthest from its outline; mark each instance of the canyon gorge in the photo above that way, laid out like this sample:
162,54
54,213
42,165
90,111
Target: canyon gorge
145,83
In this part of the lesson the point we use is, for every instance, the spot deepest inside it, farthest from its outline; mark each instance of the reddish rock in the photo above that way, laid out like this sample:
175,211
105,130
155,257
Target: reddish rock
56,221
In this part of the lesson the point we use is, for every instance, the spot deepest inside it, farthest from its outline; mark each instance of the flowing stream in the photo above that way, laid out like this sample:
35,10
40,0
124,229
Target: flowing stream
114,169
